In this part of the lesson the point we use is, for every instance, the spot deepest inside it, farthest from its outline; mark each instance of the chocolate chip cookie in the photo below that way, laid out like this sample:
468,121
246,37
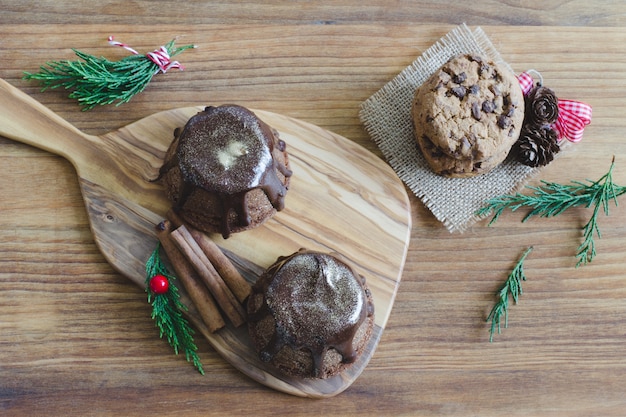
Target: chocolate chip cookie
467,116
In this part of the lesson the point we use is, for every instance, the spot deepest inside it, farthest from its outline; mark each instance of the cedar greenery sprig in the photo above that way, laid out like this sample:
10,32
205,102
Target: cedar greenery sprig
552,199
99,81
604,190
512,288
167,311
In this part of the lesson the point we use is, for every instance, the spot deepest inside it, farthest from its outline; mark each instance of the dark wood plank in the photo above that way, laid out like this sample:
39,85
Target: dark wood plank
165,12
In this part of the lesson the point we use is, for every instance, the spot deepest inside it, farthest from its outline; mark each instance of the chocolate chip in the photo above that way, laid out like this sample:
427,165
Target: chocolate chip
488,106
475,89
459,78
459,91
483,69
476,58
476,114
504,121
511,111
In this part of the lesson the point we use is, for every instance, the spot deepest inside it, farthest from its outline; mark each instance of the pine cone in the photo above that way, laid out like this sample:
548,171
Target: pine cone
542,107
536,146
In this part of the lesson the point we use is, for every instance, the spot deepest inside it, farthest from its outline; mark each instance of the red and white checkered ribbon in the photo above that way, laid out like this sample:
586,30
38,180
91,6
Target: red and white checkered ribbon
573,115
526,82
160,57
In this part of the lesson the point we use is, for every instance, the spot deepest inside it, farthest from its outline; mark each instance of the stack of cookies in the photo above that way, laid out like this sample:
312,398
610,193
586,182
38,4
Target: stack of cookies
467,116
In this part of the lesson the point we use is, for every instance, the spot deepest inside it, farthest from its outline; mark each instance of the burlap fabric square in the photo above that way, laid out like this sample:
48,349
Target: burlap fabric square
386,116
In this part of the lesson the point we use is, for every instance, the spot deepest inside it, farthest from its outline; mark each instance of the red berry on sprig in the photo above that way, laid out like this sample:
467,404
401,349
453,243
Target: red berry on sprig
159,284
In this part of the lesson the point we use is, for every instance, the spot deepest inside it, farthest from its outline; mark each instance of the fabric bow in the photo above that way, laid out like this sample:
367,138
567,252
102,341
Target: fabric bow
573,115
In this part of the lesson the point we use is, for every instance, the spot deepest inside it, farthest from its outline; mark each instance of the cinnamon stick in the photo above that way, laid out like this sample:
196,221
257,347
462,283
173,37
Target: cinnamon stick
231,276
222,294
198,292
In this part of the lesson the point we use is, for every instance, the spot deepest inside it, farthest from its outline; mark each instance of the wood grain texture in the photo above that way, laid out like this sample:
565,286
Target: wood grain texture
76,336
489,12
342,199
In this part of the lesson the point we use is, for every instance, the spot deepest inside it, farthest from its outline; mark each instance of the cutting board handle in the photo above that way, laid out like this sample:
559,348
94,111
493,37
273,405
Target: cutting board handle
109,161
25,120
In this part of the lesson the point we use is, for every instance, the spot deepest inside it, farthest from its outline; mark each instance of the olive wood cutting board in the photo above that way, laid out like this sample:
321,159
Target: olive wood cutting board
342,198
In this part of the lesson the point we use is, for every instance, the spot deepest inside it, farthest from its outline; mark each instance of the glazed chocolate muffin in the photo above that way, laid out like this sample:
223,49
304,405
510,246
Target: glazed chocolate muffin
226,171
310,315
467,116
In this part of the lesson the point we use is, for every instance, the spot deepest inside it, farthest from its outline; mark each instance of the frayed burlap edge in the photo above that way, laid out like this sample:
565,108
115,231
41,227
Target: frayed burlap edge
386,116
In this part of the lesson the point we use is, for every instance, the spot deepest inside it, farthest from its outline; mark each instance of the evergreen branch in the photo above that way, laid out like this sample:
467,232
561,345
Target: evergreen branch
98,81
511,288
167,311
606,191
551,199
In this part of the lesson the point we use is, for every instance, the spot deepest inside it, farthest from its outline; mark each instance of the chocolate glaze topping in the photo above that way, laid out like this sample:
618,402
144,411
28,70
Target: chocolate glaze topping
229,151
317,301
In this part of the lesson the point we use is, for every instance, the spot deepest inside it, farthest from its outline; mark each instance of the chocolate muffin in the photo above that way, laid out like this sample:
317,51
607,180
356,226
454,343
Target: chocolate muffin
467,116
310,315
226,170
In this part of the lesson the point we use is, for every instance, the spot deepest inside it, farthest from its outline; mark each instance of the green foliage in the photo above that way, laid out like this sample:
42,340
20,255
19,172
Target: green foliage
167,312
601,192
552,199
99,81
512,288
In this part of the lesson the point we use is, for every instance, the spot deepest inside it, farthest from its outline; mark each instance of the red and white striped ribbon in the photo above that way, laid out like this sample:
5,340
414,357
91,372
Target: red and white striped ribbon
113,42
573,115
160,57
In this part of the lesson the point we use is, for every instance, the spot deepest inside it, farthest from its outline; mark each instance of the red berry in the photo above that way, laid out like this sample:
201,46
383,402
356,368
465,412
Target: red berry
159,284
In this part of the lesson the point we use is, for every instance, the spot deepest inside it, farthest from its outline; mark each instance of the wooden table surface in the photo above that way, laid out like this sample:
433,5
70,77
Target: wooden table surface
76,338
